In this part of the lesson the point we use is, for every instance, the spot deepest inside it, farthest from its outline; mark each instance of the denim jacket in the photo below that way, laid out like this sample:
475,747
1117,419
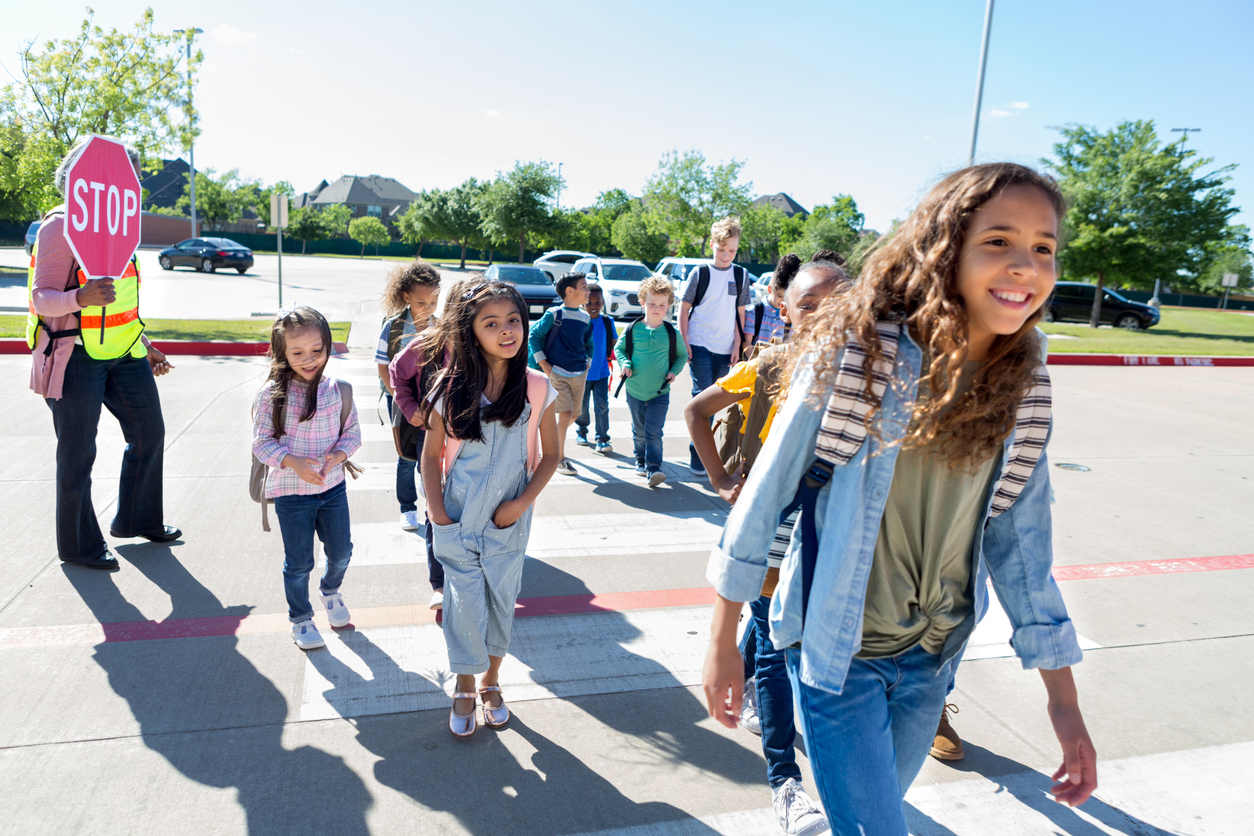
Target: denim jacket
1015,549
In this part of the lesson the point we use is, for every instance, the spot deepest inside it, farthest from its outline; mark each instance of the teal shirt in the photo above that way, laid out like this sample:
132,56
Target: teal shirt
650,360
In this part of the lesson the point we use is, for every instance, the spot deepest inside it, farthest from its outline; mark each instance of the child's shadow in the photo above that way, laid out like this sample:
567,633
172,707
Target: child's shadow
1031,788
206,709
488,783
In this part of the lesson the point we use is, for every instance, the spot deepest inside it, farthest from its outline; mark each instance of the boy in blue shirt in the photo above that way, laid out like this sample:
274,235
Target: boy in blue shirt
560,344
597,388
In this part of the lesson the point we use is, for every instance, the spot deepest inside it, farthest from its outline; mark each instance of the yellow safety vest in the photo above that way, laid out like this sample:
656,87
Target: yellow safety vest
122,325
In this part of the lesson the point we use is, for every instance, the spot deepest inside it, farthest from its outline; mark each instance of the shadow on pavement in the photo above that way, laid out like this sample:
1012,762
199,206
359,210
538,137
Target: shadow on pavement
1031,788
209,712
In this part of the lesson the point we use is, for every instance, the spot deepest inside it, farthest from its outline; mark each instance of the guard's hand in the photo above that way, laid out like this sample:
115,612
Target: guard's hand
96,293
157,361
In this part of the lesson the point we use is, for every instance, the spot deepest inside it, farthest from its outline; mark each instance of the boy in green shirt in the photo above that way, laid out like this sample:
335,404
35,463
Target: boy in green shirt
651,354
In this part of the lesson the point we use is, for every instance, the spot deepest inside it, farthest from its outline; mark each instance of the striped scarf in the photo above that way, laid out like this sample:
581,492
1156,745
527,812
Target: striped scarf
843,429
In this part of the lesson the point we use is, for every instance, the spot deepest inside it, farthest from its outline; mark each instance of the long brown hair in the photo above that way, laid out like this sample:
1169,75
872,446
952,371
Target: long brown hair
281,372
912,277
464,374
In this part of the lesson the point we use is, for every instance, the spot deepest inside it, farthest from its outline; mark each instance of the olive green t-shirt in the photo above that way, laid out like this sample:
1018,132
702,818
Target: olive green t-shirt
920,584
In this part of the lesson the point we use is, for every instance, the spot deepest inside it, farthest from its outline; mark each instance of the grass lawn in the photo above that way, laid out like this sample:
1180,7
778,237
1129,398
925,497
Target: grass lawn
229,330
1181,331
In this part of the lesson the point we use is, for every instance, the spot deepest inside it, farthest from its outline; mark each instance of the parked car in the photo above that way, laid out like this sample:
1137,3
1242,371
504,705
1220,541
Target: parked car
532,283
677,269
1073,302
558,263
761,286
207,255
619,279
31,232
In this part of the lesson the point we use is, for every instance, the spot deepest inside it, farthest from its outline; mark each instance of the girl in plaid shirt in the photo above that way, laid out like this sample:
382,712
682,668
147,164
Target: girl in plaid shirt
299,433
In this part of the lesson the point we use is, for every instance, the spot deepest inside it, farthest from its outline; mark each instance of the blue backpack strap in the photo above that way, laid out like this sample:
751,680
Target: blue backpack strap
552,335
806,501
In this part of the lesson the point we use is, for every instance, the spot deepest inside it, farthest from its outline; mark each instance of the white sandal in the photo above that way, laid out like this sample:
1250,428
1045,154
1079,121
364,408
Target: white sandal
462,725
494,718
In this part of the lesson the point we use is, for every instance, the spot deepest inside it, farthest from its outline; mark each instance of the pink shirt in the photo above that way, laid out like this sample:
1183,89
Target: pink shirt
316,438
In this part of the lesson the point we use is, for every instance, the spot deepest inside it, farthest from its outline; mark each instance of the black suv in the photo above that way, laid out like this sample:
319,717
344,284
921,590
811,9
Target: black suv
1073,302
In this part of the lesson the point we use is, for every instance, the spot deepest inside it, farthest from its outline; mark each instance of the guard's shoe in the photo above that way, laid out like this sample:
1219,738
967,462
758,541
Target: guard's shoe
306,635
797,813
948,745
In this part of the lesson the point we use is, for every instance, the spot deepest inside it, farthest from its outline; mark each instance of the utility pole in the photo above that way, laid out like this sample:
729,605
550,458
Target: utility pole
979,83
191,139
559,186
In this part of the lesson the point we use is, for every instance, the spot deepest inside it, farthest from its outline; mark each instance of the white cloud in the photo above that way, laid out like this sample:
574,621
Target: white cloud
997,114
1019,105
494,114
230,35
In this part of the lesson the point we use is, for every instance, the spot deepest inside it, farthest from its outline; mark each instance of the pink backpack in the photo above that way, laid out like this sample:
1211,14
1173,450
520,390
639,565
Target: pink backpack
537,392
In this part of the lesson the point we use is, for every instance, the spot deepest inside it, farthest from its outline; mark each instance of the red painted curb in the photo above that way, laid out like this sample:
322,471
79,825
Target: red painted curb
182,347
1144,360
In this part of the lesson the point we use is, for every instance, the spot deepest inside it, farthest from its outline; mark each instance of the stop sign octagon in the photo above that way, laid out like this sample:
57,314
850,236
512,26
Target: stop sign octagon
102,208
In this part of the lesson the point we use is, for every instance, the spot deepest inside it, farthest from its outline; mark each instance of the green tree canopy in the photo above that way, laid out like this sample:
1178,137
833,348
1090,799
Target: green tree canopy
369,231
762,226
305,225
127,84
837,226
686,196
335,219
636,235
219,200
1138,210
517,204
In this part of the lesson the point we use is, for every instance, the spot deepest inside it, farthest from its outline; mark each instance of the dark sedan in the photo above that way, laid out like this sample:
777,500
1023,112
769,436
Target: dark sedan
207,255
533,285
1073,302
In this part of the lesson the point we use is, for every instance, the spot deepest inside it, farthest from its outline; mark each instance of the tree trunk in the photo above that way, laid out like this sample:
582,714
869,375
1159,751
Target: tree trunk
363,250
303,244
1095,319
421,243
463,267
522,243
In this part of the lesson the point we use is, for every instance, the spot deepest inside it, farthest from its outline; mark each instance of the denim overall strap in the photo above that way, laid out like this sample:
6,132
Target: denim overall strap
806,501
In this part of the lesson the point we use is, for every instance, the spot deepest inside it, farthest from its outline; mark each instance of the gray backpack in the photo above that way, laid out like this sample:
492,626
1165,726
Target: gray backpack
257,476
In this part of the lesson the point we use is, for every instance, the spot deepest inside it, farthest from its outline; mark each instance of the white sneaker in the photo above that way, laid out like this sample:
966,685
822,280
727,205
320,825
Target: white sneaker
749,719
656,478
797,813
437,599
409,520
337,613
306,635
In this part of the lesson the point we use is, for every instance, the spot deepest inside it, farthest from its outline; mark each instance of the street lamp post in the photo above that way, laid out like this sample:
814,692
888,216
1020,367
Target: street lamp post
191,139
979,82
1154,301
559,185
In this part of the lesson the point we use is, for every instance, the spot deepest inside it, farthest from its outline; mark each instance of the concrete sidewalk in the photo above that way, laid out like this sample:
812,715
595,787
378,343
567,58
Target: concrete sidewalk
168,697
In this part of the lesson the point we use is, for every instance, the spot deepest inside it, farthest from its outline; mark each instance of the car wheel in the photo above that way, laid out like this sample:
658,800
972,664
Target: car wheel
1130,321
206,265
1049,315
241,270
166,264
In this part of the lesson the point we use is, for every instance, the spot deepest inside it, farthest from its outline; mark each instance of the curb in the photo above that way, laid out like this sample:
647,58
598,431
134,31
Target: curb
183,348
1144,360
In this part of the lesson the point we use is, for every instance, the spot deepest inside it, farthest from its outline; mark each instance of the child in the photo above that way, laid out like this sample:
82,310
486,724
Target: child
495,416
560,344
651,355
767,322
751,383
597,388
409,301
712,315
929,384
297,433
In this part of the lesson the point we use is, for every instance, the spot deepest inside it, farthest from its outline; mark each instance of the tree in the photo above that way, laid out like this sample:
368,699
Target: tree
218,201
306,224
126,84
369,231
1137,210
416,225
335,219
1232,255
761,225
686,196
837,226
636,235
516,204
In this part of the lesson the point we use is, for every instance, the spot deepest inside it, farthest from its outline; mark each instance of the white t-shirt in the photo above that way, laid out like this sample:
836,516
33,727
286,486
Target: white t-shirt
712,324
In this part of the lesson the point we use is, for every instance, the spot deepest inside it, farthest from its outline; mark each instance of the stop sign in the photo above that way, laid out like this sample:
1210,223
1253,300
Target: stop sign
102,208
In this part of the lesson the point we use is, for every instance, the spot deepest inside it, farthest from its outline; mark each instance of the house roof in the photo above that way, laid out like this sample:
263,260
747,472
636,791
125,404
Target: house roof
166,186
380,191
783,203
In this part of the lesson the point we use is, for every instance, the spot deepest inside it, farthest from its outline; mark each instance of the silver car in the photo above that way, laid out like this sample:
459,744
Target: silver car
559,262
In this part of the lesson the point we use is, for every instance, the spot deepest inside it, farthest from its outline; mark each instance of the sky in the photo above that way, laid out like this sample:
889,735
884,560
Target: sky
870,99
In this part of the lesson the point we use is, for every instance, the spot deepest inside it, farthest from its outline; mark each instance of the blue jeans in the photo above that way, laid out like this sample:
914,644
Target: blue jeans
406,488
599,392
764,662
125,386
867,744
300,517
706,368
648,419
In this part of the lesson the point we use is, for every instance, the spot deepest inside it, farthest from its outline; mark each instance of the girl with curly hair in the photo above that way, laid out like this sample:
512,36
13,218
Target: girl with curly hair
912,440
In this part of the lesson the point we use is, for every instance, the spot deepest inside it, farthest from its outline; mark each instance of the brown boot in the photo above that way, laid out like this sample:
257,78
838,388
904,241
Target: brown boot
947,746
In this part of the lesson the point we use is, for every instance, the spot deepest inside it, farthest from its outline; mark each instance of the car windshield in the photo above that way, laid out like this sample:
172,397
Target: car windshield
522,275
626,272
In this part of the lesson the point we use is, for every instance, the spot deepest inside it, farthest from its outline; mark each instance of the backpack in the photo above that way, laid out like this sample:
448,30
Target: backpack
537,391
738,276
674,348
257,475
759,311
738,429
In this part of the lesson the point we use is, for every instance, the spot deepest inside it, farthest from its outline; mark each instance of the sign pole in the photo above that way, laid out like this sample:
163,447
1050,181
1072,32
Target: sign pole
278,217
280,267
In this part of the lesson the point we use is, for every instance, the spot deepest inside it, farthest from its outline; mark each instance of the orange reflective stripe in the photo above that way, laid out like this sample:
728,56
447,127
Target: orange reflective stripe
112,320
129,272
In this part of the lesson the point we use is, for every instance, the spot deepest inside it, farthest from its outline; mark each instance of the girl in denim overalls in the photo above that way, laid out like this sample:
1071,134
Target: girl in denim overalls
915,425
487,419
